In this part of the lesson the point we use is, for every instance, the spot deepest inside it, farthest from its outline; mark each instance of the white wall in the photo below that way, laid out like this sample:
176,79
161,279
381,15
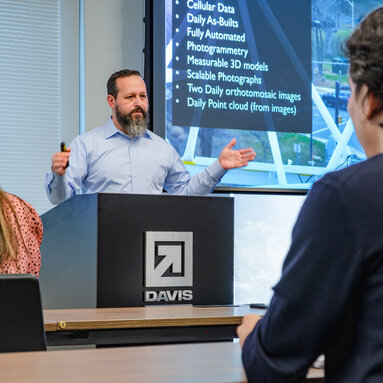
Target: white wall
69,71
114,40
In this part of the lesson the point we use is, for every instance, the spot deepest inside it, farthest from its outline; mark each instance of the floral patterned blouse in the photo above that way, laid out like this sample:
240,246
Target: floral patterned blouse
31,231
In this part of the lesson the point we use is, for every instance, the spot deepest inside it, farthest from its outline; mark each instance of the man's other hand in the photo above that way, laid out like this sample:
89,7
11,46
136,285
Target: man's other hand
59,162
230,159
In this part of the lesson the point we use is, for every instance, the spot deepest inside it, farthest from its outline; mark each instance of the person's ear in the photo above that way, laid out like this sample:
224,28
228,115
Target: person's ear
372,105
111,101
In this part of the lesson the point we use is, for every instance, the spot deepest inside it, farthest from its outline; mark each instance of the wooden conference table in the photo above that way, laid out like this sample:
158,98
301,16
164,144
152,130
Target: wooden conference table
142,325
206,362
202,363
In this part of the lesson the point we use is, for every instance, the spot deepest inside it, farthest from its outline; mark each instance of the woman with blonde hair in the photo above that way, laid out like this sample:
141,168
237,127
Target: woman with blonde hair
21,233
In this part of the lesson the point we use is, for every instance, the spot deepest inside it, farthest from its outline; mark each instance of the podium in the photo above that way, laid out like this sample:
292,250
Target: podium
120,250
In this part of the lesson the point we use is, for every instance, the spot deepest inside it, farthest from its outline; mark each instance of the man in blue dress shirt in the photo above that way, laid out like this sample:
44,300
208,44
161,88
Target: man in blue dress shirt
123,156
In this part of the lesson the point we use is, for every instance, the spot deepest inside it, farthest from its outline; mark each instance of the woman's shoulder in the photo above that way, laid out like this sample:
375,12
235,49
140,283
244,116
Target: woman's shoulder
18,203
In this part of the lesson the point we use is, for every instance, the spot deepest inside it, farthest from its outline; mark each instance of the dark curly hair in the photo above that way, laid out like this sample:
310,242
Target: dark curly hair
111,86
364,49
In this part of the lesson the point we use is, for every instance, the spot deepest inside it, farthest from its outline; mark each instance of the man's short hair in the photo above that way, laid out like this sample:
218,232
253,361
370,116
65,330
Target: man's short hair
364,48
111,85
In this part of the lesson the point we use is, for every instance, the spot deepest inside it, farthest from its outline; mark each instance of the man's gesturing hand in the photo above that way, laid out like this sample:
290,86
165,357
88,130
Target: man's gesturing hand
230,159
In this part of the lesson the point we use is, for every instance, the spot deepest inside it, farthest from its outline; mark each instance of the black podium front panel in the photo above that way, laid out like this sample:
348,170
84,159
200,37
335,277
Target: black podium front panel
164,249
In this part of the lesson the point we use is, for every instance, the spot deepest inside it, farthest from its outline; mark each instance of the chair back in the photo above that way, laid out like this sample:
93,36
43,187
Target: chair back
21,315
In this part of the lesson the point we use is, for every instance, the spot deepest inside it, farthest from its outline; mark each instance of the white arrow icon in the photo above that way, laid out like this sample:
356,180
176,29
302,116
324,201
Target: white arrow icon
176,248
172,256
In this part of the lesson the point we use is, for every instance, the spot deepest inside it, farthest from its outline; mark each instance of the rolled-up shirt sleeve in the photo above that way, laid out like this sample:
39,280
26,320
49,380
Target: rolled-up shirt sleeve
179,181
57,188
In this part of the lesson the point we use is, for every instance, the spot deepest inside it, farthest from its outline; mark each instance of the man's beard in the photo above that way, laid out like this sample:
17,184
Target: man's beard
133,127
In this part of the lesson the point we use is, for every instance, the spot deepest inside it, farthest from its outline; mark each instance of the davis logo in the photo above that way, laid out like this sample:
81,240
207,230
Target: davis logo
168,263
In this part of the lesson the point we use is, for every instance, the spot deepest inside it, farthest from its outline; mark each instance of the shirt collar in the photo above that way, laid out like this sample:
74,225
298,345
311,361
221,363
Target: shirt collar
111,130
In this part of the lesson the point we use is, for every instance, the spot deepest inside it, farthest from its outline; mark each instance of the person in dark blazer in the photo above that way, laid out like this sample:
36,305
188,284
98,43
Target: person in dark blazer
329,299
